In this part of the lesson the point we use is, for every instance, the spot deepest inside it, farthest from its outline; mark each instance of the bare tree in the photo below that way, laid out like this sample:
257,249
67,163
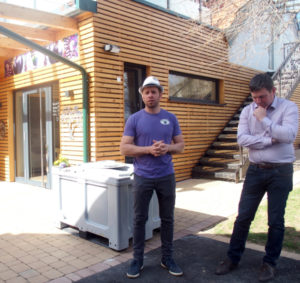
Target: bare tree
259,20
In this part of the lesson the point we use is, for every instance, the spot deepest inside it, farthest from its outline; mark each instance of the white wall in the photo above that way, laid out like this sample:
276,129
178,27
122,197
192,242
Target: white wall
251,47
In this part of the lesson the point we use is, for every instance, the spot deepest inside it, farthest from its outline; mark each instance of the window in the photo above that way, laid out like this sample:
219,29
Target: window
188,8
191,88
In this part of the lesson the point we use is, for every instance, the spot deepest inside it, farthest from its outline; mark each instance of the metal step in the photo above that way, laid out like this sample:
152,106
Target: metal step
215,173
225,145
229,130
227,137
223,153
219,162
233,122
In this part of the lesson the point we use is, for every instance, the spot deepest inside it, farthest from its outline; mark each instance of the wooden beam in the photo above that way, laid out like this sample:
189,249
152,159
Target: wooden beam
10,11
43,43
6,53
12,44
31,33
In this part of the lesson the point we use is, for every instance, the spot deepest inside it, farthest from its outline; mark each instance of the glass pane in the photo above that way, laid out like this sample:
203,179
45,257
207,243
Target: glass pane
37,137
131,103
189,8
161,3
192,88
19,135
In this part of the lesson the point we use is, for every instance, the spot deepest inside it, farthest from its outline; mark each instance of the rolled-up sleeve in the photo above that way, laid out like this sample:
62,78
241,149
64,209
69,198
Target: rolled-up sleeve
286,131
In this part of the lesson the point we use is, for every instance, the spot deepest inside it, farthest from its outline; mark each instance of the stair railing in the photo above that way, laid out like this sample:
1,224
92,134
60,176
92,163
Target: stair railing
287,77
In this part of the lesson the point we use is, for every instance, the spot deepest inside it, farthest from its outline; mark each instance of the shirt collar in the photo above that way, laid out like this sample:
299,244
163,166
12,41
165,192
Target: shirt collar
274,103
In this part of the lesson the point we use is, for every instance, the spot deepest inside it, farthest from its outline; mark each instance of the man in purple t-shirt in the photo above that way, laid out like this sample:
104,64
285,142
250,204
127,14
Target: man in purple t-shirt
151,136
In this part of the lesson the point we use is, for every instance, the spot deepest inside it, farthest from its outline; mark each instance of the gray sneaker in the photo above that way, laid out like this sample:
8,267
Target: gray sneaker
173,268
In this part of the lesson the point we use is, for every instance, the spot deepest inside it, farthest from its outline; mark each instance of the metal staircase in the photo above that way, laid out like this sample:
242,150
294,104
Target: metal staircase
287,78
224,159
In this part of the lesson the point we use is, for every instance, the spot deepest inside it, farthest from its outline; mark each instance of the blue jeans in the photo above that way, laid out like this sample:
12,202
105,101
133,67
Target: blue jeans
277,182
142,193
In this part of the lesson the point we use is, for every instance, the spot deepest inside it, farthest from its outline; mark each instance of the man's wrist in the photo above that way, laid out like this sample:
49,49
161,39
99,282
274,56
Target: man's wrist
168,148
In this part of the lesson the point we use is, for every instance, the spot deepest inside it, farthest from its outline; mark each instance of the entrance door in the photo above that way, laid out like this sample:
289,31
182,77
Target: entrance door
33,136
134,76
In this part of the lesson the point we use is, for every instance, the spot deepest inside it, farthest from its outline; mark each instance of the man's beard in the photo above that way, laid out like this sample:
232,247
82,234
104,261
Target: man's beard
152,104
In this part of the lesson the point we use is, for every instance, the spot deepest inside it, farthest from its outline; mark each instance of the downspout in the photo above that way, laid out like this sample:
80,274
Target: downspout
84,74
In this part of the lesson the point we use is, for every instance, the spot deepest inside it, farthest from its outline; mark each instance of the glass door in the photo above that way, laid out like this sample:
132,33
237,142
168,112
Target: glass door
34,148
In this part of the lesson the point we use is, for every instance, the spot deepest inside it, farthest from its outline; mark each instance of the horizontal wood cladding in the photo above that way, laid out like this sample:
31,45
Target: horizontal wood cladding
296,98
162,42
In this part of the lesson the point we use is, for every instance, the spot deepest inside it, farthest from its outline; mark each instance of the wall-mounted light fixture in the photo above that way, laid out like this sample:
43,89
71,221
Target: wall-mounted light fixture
111,48
69,93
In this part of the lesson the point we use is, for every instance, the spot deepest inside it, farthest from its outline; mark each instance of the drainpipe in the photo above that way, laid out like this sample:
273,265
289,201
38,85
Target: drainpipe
70,63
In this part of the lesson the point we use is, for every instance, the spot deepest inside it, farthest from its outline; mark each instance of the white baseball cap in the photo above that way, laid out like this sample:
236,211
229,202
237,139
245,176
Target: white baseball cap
151,81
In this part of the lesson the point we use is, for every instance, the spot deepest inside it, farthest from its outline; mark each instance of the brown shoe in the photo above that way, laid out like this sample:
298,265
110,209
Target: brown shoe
266,272
225,267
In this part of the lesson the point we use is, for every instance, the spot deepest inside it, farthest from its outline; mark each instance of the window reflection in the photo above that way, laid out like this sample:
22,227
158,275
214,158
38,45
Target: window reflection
190,87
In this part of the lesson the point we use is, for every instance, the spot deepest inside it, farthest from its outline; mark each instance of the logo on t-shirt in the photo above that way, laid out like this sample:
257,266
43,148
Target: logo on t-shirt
165,122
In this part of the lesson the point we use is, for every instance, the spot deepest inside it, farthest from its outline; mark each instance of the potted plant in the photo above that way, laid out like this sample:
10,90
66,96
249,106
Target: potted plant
62,162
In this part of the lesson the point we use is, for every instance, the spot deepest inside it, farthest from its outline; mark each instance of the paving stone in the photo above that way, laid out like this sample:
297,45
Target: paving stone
29,273
8,274
16,280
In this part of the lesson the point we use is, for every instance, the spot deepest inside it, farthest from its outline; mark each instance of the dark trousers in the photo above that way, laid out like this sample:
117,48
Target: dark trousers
277,183
142,192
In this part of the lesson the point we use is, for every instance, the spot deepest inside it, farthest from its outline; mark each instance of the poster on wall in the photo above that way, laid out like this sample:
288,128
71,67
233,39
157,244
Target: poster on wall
67,47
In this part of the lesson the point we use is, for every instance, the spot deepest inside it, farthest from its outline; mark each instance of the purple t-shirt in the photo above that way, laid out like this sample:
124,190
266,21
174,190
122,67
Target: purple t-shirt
145,128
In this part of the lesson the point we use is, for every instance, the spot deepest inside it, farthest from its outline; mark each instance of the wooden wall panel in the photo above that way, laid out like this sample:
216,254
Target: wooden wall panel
296,98
4,160
162,42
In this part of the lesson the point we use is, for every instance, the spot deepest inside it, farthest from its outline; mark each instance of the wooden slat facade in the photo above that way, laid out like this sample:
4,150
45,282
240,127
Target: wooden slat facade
158,40
296,98
162,42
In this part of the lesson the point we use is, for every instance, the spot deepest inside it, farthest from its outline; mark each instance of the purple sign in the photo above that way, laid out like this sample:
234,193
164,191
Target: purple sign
67,47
